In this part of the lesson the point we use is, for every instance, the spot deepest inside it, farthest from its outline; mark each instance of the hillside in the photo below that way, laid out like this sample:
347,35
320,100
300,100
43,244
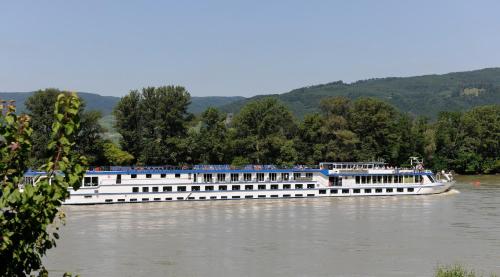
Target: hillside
421,95
105,104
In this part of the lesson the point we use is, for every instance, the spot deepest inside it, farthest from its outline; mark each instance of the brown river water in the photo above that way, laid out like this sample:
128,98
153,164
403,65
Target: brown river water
362,236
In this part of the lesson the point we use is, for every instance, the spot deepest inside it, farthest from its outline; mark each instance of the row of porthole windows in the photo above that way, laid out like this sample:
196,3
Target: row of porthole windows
212,197
366,191
222,187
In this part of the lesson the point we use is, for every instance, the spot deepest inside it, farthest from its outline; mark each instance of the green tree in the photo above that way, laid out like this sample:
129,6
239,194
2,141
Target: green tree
153,124
114,155
262,130
309,141
88,140
376,124
28,211
339,141
128,123
211,140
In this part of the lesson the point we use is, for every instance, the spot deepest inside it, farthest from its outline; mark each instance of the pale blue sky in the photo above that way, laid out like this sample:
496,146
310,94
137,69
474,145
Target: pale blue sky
238,47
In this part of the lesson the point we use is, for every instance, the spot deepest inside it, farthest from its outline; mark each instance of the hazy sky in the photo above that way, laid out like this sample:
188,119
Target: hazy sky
238,47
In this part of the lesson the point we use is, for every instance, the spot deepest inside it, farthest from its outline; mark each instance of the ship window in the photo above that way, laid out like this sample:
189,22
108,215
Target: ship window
223,197
88,196
274,195
145,199
384,179
260,177
374,179
195,188
167,188
400,189
388,190
431,178
213,197
322,191
262,187
202,198
248,187
287,186
191,198
389,179
148,175
356,190
378,190
133,176
121,200
272,177
207,178
180,198
248,196
310,186
334,191
235,197
287,195
363,179
133,200
235,187
135,189
298,195
285,176
195,178
311,195
344,191
155,189
368,179
181,188
410,189
274,186
177,175
358,179
222,187
234,177
145,189
309,175
296,176
299,186
368,190
221,177
87,181
247,177
209,188
168,199
157,199
262,196
163,175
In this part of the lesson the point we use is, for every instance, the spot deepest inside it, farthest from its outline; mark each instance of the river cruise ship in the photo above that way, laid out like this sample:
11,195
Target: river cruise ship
106,185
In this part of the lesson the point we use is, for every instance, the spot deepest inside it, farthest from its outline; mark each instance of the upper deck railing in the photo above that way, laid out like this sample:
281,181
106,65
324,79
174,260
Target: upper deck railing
201,167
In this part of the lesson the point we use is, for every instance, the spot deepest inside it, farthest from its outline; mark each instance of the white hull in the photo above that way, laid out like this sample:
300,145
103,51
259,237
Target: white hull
94,195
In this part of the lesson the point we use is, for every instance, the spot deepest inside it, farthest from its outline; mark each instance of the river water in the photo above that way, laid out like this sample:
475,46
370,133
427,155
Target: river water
363,236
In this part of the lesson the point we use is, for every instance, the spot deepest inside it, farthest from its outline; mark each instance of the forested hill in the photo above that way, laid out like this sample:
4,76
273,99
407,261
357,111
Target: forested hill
105,104
421,95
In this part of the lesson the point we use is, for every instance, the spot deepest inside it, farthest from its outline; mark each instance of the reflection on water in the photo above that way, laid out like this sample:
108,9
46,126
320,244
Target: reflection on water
363,236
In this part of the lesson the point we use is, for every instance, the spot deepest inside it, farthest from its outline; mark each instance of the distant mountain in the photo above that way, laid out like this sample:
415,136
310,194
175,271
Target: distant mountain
105,104
199,104
421,95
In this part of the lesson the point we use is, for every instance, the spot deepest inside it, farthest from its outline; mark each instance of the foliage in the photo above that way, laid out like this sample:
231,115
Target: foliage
456,270
40,107
28,212
263,131
153,124
212,138
115,156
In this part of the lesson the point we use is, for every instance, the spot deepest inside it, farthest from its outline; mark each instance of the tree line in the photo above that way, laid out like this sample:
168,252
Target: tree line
157,129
